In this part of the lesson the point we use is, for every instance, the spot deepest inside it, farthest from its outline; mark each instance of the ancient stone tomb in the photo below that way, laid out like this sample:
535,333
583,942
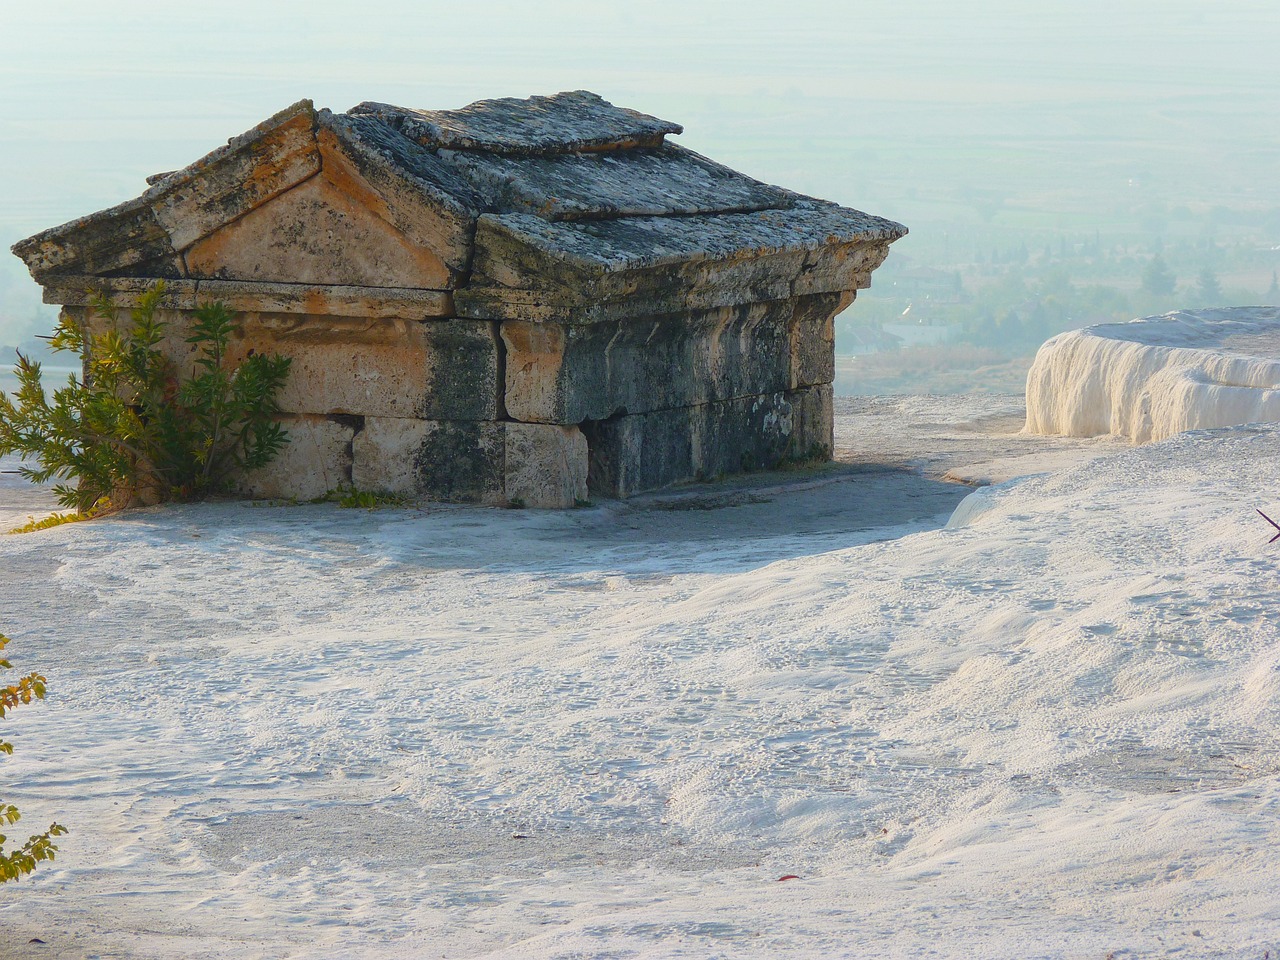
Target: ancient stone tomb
530,301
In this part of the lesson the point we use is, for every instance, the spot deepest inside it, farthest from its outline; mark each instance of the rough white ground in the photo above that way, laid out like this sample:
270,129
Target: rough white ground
1046,730
1152,378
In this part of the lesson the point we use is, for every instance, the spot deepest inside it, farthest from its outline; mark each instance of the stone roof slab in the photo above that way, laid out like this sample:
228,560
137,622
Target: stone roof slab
576,120
528,268
658,182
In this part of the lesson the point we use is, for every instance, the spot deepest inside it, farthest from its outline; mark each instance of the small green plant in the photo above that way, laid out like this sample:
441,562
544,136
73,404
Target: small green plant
135,427
58,519
353,498
23,860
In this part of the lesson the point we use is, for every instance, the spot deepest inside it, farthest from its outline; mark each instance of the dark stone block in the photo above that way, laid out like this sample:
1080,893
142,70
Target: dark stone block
562,373
462,461
630,454
462,371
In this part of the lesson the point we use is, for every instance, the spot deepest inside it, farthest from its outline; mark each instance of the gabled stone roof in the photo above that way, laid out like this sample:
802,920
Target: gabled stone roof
515,201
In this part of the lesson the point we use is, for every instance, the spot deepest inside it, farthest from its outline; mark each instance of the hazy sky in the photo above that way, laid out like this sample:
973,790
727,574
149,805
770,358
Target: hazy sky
841,100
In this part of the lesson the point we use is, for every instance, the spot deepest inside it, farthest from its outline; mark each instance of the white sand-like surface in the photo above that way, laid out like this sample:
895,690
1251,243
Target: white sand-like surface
1152,378
20,501
1046,729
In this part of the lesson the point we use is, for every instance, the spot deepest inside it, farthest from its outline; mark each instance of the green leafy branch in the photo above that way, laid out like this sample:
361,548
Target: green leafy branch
131,426
38,848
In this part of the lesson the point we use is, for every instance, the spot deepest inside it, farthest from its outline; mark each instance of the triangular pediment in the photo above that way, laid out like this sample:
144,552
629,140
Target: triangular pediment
365,206
320,234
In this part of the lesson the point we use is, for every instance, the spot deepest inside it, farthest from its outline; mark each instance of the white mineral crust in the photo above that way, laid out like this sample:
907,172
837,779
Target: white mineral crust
1152,378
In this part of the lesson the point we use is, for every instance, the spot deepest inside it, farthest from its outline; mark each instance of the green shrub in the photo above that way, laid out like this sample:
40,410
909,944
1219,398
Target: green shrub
16,863
133,428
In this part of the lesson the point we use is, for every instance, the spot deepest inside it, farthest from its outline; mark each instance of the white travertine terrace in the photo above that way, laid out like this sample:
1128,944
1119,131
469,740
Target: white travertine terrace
1155,377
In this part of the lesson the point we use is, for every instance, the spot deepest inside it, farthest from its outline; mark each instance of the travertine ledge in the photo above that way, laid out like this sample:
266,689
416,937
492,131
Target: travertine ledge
1152,378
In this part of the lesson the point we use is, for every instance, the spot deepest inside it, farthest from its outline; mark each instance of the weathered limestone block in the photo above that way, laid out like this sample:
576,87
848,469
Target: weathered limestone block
563,373
635,453
546,465
442,369
840,267
316,460
325,300
517,279
127,239
813,423
316,233
576,186
813,337
440,459
384,451
538,465
122,292
433,369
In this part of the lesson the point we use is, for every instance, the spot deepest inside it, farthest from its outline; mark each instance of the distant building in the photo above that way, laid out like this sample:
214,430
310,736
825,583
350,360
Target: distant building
864,340
914,330
522,300
926,283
